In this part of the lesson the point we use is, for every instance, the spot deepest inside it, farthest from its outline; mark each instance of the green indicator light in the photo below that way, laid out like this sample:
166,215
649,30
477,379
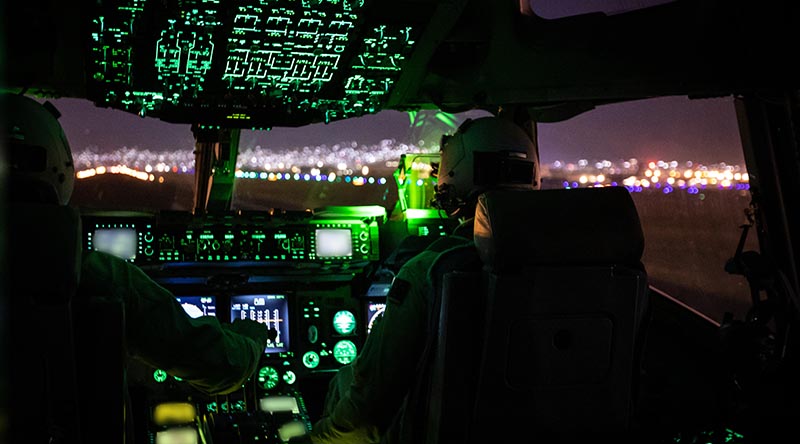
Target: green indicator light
311,359
160,375
177,378
344,322
344,352
268,378
289,377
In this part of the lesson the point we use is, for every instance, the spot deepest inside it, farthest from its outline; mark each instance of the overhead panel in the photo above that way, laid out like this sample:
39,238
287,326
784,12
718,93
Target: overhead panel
247,63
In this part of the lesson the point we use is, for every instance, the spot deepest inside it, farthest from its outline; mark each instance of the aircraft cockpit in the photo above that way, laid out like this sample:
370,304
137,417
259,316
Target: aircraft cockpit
644,290
318,279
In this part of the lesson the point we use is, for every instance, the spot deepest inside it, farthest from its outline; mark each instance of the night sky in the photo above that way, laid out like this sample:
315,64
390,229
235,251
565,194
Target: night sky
672,128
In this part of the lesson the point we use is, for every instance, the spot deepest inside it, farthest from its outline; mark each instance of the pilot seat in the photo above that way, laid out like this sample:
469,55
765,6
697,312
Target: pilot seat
540,323
67,370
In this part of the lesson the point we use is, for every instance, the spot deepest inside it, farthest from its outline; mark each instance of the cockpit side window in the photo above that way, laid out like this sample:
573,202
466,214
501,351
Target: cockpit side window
682,162
125,162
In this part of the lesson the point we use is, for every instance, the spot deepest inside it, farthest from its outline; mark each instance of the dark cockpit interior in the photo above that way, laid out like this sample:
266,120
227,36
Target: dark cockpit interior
545,328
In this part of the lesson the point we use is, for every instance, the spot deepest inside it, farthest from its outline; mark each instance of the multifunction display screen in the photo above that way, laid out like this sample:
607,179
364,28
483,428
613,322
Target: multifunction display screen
333,242
272,310
120,242
196,306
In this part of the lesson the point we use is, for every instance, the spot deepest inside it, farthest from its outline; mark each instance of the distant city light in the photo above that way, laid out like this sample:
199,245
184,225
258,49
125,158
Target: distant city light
360,165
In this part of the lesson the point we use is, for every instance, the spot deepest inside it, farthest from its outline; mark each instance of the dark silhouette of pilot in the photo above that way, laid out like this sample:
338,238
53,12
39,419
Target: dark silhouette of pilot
215,358
365,399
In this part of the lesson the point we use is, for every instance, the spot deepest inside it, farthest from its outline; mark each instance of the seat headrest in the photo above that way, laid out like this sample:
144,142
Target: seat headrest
45,250
586,226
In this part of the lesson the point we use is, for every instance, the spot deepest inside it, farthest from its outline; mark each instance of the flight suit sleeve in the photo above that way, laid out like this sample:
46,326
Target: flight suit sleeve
385,368
213,357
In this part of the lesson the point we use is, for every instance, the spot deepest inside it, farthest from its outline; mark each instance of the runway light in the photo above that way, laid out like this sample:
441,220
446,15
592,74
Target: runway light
85,173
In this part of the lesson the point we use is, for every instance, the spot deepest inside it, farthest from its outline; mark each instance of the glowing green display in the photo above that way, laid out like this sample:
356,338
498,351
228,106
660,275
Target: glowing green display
289,377
160,375
344,322
318,58
268,378
344,352
311,359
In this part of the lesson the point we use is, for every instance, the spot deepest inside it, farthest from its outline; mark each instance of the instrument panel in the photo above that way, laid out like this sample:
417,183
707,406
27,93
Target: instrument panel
307,277
147,239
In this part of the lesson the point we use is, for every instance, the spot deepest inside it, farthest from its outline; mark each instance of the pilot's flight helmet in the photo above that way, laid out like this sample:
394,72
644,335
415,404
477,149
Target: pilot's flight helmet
39,158
485,153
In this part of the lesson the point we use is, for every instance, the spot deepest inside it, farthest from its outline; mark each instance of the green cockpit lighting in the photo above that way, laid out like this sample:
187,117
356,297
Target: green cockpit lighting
289,377
311,359
268,378
344,352
344,322
416,183
201,61
160,375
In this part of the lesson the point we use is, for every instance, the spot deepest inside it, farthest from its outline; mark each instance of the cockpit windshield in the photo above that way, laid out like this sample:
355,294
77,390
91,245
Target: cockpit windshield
126,162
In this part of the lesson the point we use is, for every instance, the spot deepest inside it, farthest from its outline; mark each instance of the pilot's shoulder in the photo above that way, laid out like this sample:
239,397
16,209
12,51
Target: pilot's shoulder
422,261
448,242
100,269
98,260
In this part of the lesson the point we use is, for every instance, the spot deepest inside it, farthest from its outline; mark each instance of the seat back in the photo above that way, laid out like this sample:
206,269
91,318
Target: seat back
566,297
67,352
44,268
542,342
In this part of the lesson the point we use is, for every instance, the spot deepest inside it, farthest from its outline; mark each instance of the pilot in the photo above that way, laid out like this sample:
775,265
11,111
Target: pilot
364,400
215,358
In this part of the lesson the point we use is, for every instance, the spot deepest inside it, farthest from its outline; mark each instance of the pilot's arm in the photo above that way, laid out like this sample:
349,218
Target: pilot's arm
213,357
386,367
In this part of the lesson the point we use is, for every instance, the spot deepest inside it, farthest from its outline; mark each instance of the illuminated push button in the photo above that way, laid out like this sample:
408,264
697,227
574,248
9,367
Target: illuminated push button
313,334
160,375
268,378
289,377
344,352
344,322
311,359
174,413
